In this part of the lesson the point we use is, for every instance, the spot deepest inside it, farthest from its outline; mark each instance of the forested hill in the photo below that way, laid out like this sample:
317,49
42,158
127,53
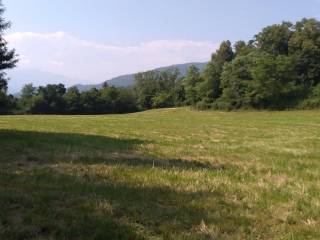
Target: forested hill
128,80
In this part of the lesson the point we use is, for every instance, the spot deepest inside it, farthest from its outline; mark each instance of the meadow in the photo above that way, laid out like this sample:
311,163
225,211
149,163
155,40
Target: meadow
161,174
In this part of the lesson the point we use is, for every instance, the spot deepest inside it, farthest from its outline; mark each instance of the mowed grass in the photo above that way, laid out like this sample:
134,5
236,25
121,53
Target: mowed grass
163,174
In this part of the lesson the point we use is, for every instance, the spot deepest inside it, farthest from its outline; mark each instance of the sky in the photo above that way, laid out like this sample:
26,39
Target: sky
94,40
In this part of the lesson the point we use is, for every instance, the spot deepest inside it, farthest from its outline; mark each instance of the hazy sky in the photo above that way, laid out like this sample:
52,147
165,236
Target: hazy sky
94,40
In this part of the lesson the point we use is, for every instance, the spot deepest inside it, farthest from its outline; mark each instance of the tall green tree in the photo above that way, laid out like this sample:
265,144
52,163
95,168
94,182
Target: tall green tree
191,83
275,39
146,88
212,73
89,102
8,60
304,46
156,88
72,101
27,94
49,100
274,82
167,85
235,82
241,48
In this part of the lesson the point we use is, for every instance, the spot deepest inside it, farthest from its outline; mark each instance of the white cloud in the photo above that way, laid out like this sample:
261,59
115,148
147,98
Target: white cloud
56,63
61,53
20,36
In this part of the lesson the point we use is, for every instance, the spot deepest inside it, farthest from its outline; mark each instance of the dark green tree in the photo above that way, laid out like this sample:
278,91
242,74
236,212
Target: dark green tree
179,94
274,82
235,82
8,60
304,46
126,101
27,93
72,101
156,88
146,88
313,100
89,102
191,84
275,39
167,82
211,89
241,48
49,100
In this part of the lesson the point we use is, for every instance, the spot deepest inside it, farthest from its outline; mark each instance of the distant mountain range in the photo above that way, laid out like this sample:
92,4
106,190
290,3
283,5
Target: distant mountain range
20,77
128,80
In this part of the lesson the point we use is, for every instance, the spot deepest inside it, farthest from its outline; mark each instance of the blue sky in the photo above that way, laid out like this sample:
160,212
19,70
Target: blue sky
93,40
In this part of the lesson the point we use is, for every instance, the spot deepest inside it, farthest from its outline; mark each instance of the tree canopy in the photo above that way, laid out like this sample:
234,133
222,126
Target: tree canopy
278,69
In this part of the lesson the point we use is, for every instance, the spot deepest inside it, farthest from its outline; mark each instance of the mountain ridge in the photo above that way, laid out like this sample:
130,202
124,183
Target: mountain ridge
127,80
20,77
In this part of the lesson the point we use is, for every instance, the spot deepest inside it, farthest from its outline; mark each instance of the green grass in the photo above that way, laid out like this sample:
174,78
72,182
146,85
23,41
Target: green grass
163,174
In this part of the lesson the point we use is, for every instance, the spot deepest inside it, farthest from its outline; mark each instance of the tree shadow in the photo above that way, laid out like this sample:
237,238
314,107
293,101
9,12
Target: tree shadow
20,142
39,201
43,147
48,204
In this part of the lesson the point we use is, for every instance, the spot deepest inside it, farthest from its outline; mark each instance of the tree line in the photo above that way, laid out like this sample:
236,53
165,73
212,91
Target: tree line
56,99
278,69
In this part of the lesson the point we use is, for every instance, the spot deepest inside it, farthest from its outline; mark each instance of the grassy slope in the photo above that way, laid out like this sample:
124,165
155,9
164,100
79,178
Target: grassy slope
165,174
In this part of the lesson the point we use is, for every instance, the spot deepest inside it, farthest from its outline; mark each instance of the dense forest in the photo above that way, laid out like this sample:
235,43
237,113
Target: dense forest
278,69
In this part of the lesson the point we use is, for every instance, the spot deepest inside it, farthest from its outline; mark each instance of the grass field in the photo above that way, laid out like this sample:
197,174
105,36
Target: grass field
163,174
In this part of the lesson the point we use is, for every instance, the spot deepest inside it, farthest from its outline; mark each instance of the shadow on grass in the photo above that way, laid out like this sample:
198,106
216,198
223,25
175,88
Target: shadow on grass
44,147
47,203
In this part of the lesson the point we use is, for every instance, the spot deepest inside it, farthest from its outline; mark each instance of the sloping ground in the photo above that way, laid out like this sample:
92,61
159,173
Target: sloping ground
165,174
